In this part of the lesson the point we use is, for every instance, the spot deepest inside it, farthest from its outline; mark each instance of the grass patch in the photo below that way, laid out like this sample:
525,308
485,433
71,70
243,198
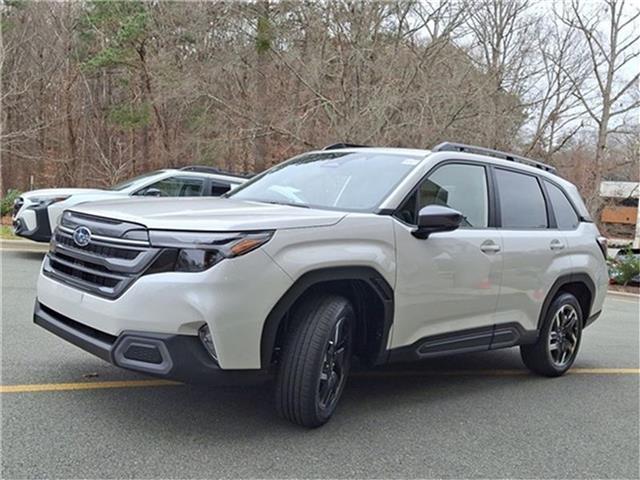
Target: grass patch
6,233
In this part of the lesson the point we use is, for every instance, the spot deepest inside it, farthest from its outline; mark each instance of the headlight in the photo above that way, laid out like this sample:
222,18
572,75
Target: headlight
196,252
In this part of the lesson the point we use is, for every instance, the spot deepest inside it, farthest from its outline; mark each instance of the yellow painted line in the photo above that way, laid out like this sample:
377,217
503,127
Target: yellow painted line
494,373
64,387
442,373
606,371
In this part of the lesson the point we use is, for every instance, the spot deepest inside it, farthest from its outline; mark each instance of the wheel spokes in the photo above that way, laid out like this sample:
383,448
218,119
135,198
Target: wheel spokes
333,366
325,391
572,319
339,358
563,335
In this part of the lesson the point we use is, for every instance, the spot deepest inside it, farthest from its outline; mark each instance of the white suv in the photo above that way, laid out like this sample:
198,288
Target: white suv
383,253
37,213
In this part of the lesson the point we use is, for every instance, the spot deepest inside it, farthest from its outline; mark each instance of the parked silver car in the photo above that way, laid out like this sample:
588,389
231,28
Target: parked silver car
37,213
387,254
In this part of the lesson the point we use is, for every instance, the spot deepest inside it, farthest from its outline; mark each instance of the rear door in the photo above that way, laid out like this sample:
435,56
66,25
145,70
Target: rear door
534,250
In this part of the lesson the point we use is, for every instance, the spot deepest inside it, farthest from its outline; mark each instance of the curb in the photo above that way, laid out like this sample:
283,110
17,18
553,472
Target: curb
23,246
11,241
623,294
22,250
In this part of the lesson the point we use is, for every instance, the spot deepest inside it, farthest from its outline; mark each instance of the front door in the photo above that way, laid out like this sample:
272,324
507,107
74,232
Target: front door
449,282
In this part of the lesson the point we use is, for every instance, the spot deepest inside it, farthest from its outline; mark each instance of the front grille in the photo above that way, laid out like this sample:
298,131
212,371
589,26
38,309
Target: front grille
108,265
74,271
99,250
17,206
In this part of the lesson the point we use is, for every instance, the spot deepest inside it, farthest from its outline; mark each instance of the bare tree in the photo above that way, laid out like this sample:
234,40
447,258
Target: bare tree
502,34
555,108
613,41
97,91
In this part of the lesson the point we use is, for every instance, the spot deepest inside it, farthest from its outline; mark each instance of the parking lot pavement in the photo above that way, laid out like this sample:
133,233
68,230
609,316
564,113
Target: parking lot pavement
467,416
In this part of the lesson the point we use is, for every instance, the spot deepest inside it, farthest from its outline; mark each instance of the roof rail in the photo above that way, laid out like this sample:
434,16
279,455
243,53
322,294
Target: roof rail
214,170
336,146
461,147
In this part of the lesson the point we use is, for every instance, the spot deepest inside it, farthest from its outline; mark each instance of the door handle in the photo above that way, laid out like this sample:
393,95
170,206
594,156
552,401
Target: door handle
556,245
490,247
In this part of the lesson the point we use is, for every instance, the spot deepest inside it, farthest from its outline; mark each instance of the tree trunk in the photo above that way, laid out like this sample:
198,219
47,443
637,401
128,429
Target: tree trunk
72,138
263,39
160,122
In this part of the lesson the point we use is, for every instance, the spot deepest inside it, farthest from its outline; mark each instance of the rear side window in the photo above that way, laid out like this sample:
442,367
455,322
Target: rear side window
522,203
566,216
219,188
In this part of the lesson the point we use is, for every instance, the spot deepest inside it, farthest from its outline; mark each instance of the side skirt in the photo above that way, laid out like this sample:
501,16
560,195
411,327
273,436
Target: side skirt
480,339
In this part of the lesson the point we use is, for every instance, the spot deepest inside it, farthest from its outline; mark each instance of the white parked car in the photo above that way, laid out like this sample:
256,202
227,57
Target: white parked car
37,213
383,253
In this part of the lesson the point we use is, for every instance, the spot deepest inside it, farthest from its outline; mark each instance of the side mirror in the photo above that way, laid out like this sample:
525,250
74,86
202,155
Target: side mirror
152,192
436,218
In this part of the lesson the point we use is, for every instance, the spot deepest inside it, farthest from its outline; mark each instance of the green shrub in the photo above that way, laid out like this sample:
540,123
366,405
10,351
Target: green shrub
625,268
6,204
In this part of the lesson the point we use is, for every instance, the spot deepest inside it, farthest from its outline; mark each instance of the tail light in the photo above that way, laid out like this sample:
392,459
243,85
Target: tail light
602,243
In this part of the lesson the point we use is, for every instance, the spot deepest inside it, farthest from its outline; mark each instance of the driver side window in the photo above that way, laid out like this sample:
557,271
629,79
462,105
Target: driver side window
462,187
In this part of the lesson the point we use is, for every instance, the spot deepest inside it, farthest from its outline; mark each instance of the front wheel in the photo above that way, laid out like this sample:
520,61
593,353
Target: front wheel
316,360
557,346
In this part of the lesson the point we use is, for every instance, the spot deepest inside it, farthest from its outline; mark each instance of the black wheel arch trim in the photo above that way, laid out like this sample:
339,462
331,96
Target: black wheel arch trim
576,277
369,275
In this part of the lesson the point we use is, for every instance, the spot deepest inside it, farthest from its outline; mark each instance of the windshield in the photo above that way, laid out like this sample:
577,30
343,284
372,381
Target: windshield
353,181
128,183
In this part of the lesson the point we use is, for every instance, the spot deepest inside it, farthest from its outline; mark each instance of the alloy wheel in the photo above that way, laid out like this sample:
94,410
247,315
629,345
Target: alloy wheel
564,335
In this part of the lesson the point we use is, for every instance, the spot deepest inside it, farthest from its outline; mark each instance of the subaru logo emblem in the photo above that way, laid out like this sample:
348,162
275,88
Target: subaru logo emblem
82,236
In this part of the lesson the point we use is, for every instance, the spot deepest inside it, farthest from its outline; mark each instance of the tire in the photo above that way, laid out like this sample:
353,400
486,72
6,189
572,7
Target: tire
316,360
559,341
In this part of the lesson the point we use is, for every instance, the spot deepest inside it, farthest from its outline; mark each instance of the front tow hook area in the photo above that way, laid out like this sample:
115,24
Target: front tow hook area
144,354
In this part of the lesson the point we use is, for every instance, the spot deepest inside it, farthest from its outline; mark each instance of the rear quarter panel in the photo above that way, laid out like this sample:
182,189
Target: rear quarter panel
586,257
530,270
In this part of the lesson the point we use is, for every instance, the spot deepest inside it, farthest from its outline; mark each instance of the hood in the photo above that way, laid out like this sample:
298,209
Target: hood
59,192
208,214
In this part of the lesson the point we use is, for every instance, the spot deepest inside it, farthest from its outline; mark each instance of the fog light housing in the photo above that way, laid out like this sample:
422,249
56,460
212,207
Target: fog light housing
207,340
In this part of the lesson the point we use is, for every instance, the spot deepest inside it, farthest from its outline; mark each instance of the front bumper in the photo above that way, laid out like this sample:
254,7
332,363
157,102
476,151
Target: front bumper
176,357
233,298
41,232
